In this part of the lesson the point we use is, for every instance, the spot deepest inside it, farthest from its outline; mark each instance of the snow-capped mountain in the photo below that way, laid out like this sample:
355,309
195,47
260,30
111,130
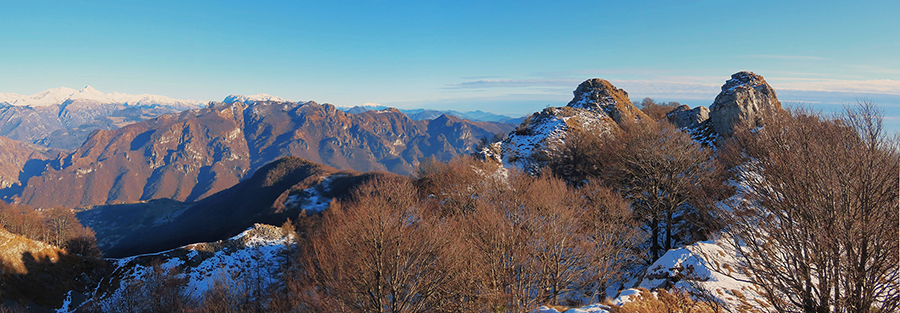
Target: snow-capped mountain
232,98
62,95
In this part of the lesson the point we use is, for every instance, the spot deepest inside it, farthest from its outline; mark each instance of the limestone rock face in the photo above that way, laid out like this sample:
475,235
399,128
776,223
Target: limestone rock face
685,117
745,98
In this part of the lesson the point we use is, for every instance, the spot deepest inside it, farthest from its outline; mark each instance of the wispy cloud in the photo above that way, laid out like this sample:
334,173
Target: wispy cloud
785,57
879,86
877,69
513,83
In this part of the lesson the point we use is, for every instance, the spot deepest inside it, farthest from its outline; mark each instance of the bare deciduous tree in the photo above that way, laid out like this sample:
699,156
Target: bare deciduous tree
819,222
380,253
661,170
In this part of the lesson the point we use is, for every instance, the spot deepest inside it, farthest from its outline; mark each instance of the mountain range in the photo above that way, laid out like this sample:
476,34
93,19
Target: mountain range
195,153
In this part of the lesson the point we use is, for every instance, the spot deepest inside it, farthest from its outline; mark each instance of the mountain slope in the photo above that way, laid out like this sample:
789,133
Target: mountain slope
20,161
249,262
276,192
35,273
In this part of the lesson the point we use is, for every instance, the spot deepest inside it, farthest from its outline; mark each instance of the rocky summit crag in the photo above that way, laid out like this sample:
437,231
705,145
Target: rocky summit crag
745,98
597,105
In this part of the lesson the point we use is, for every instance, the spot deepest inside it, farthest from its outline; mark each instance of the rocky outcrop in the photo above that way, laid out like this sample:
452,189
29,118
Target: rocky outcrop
597,106
745,98
600,95
685,117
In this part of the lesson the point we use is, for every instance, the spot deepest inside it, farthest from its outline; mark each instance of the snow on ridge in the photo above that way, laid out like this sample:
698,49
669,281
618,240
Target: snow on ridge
547,130
255,255
232,98
57,96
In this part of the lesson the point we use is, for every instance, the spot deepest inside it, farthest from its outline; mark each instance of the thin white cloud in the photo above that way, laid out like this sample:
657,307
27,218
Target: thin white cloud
877,86
512,83
785,57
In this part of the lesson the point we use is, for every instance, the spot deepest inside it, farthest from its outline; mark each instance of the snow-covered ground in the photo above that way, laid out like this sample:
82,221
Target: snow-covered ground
255,256
548,130
311,199
707,270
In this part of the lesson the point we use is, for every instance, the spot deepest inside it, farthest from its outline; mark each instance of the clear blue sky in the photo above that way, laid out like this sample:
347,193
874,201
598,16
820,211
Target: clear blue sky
509,57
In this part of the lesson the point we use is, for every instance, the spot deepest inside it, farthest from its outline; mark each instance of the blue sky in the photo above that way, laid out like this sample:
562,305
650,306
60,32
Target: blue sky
508,57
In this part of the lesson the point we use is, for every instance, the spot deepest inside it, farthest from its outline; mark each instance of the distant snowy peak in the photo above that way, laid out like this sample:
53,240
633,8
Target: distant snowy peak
253,98
61,95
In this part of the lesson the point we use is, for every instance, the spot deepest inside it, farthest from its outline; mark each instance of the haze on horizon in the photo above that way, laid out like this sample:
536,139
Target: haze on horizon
505,57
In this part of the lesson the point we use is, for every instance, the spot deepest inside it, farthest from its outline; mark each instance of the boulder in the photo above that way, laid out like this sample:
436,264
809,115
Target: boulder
745,98
685,117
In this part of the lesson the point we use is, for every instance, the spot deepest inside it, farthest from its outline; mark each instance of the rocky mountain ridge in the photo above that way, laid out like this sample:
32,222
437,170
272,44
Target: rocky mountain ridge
88,94
193,154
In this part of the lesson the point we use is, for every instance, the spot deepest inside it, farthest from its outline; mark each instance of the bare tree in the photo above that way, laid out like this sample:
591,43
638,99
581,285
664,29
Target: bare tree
611,231
61,224
380,253
661,170
819,222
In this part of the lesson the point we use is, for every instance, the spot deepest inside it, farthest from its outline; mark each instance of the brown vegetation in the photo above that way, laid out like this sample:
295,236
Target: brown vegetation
464,236
657,110
58,227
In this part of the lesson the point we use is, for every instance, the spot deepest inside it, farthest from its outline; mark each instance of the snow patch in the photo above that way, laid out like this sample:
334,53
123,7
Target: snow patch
251,99
310,199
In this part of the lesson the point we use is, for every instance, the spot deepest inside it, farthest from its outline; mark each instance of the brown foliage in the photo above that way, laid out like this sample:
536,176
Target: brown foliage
661,170
666,302
57,226
819,223
657,110
536,239
453,187
380,253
